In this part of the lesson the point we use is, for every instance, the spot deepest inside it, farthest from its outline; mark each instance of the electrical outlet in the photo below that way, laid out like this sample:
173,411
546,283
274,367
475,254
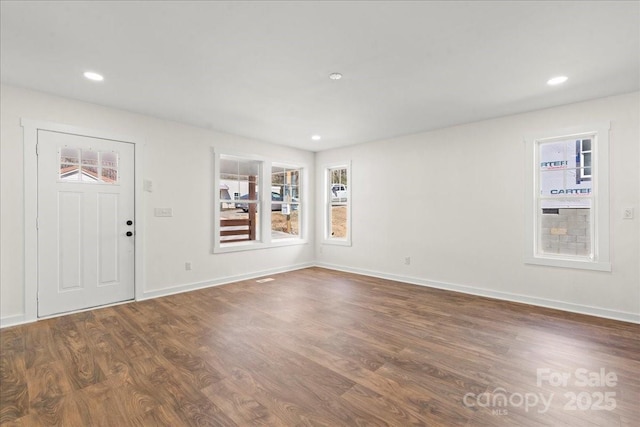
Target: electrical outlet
407,260
627,213
187,265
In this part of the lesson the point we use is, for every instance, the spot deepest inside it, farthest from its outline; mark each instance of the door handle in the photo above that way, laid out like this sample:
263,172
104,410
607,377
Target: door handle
129,233
129,222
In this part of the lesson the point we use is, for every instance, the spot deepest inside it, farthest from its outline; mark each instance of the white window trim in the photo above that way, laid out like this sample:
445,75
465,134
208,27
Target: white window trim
326,238
265,241
600,189
582,155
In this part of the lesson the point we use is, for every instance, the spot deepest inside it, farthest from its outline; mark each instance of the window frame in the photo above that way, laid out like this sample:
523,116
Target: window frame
99,167
326,236
583,152
599,211
264,239
300,205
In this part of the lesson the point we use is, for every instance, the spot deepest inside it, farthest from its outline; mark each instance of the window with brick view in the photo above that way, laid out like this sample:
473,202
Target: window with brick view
565,190
567,203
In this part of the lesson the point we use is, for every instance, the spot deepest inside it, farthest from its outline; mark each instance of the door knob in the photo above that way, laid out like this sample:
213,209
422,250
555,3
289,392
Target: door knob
129,233
129,222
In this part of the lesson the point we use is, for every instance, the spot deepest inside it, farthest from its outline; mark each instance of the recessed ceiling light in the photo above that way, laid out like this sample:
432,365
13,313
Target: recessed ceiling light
316,137
93,76
335,76
557,80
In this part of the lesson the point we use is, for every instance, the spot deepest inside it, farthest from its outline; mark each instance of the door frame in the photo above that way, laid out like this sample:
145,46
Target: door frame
30,140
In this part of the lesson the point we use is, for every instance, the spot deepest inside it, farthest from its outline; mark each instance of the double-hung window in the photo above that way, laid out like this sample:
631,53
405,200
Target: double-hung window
337,200
239,205
257,203
567,202
285,202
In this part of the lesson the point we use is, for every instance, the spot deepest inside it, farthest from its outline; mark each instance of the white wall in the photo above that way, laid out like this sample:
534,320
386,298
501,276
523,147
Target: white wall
453,201
177,158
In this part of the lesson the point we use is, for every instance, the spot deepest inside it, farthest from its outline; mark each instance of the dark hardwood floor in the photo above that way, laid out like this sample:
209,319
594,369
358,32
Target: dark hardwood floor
321,348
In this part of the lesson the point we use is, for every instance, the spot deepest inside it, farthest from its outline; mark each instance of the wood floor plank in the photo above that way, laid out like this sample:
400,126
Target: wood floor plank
46,383
80,364
39,345
391,412
314,347
159,416
242,408
14,392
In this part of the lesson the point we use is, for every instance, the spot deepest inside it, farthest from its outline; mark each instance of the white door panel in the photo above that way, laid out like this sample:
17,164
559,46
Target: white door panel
70,225
85,198
108,247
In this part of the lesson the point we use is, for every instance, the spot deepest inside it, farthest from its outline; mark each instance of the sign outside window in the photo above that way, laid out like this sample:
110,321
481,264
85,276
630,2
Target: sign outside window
565,173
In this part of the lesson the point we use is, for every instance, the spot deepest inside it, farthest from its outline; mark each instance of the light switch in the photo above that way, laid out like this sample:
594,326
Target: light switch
627,213
164,212
147,185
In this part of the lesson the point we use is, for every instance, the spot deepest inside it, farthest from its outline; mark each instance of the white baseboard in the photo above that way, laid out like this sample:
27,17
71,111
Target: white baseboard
16,319
19,319
222,281
541,302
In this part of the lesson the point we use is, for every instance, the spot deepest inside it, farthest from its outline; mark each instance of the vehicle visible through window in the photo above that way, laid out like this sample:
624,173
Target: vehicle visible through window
285,202
337,213
239,176
258,203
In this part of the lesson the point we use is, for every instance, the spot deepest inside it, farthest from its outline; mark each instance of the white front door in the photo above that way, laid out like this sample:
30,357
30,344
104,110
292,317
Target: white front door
86,230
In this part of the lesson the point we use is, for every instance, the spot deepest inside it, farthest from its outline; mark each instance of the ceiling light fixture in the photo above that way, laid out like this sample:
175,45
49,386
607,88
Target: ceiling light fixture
316,137
93,76
335,76
557,80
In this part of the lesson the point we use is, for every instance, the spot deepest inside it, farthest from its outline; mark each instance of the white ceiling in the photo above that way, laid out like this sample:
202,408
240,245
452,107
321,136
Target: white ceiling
260,69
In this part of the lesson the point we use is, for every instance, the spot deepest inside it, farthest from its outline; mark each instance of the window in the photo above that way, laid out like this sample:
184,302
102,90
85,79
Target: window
338,205
583,151
239,216
285,202
88,166
257,203
567,209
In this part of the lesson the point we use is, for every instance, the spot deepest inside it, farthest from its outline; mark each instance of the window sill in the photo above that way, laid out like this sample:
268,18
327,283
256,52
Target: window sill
337,242
569,263
241,246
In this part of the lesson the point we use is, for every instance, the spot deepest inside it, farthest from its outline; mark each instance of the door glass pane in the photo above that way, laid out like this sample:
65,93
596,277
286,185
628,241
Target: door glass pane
69,155
88,166
69,161
109,166
109,159
89,157
109,175
69,172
